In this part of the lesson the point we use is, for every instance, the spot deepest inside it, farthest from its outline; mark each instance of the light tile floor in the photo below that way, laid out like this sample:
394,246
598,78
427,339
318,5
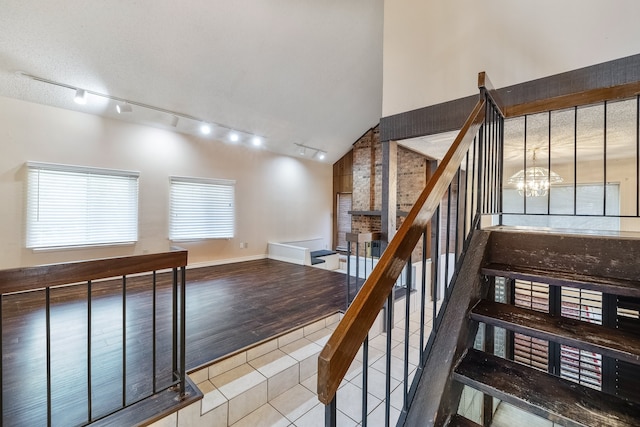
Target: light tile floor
300,407
274,383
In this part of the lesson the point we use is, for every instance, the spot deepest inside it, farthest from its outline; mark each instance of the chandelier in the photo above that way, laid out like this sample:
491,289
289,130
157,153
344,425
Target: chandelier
534,181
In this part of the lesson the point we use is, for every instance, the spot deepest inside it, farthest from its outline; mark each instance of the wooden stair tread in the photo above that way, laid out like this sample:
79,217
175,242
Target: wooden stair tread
562,278
563,330
543,394
460,421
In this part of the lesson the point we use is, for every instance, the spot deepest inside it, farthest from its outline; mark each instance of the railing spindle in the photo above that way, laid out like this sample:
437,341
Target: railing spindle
89,333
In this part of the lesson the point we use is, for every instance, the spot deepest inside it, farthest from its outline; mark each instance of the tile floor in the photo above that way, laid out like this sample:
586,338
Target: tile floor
274,384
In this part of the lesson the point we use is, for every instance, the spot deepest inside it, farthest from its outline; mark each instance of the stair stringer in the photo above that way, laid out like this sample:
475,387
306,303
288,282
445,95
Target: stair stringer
437,396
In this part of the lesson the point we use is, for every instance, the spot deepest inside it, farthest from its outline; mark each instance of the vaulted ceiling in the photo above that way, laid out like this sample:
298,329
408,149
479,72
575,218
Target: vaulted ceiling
291,72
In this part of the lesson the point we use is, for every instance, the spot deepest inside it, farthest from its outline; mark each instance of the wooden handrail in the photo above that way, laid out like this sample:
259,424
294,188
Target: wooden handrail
576,99
31,278
344,343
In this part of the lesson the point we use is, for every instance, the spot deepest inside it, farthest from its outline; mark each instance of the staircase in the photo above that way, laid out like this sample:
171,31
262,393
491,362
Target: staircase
570,391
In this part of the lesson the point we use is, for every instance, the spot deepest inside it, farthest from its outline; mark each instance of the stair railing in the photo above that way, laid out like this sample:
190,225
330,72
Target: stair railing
472,169
46,295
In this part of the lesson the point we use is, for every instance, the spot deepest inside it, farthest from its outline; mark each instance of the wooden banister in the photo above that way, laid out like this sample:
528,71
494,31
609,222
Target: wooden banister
38,277
340,350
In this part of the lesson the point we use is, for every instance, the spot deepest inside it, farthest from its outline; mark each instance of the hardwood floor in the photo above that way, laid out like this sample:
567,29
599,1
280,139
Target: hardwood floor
229,307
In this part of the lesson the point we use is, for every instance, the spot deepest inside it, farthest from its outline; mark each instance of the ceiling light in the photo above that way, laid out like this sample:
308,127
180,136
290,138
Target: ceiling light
257,141
81,97
302,151
205,129
174,121
321,155
234,137
534,181
124,108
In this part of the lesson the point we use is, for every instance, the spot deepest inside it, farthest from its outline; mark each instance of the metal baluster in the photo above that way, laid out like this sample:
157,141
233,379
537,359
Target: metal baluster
48,346
124,341
408,282
154,330
89,386
365,379
389,323
446,245
183,330
175,325
330,413
348,274
357,266
436,262
525,165
501,180
423,296
604,174
549,164
575,160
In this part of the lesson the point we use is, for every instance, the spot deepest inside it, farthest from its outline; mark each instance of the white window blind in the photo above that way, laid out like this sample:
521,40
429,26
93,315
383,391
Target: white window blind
201,209
80,206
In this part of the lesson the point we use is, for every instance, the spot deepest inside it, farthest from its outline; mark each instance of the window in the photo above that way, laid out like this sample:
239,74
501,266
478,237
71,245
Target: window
80,206
201,209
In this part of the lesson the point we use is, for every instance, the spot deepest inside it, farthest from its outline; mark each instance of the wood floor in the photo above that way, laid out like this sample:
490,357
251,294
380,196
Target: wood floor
229,307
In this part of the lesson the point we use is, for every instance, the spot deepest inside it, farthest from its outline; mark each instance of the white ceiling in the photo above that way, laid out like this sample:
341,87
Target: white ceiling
291,71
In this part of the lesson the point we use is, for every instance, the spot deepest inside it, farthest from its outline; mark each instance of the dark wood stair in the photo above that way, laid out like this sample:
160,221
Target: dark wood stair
543,394
575,333
605,285
592,263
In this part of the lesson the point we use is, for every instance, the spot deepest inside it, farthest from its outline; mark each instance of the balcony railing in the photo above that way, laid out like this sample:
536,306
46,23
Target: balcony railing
83,340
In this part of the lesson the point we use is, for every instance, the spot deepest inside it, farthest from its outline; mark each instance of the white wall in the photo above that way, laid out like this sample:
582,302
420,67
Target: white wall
433,50
277,198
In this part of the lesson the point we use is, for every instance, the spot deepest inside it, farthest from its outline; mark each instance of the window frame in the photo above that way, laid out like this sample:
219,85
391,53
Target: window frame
92,225
210,186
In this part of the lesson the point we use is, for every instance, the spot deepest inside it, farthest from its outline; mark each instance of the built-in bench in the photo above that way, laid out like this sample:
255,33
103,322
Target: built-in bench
311,252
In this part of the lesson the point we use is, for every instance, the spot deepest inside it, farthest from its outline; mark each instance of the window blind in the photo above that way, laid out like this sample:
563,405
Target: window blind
80,206
201,209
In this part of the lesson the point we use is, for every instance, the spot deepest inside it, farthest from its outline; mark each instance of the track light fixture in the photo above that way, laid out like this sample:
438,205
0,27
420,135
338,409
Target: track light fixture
205,128
317,153
80,97
124,108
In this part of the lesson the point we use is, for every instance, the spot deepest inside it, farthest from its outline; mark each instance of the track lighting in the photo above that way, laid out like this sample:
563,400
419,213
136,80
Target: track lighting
205,129
316,152
81,97
124,108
